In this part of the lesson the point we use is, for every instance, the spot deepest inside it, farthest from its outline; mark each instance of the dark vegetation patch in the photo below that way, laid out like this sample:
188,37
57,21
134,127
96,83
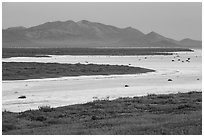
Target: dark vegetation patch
32,70
179,113
43,52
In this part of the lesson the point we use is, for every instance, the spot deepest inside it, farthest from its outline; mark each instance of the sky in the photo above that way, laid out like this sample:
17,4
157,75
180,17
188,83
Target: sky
173,20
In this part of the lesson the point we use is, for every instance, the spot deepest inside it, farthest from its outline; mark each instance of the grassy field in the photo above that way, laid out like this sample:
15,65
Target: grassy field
39,52
152,114
32,70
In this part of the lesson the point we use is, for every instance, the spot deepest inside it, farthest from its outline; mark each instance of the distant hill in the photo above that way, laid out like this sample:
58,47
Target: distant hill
191,43
87,34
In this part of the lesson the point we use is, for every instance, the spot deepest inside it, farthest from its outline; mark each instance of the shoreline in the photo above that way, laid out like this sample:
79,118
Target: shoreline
87,77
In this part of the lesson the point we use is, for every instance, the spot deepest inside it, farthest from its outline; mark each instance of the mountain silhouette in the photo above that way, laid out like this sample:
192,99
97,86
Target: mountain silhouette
87,34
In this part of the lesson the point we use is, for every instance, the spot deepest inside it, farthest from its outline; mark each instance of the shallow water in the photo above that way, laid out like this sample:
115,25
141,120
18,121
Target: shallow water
71,90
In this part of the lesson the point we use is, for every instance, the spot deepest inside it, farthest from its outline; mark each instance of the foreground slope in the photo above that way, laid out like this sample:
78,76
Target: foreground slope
178,114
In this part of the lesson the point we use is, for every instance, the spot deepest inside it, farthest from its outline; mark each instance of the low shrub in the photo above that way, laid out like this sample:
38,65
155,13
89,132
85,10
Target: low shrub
45,108
40,118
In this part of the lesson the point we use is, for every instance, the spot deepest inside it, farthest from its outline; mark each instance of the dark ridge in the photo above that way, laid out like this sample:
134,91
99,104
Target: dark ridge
33,52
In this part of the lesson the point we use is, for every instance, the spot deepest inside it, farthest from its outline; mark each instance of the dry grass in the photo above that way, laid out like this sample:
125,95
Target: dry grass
153,114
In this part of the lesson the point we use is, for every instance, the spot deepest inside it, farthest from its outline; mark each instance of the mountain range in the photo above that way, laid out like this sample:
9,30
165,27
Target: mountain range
87,34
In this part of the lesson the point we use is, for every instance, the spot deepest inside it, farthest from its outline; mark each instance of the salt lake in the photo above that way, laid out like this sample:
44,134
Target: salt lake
186,76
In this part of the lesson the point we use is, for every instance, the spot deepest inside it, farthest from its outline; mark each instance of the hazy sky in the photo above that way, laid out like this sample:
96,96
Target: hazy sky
173,20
